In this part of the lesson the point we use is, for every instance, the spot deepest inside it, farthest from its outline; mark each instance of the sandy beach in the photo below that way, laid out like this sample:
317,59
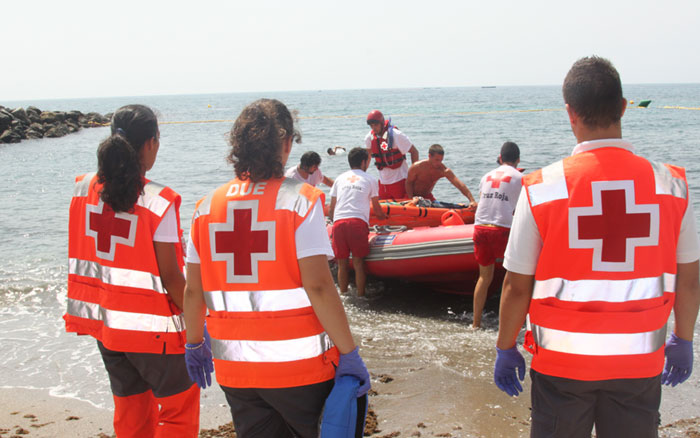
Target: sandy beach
423,402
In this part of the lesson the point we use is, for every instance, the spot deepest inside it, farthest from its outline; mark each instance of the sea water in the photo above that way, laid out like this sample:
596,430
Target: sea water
399,327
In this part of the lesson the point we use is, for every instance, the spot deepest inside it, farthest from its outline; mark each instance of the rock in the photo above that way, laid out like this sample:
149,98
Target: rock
48,117
9,136
37,127
57,131
72,126
34,134
73,115
21,114
60,116
5,119
96,119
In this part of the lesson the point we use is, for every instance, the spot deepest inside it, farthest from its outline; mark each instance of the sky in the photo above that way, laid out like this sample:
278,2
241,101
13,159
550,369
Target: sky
98,48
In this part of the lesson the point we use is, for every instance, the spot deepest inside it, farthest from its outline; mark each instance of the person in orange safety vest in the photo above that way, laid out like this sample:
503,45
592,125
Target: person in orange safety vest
257,261
603,246
126,283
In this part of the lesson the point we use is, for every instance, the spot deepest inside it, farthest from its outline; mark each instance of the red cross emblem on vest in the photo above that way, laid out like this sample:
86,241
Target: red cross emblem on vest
613,226
242,241
108,228
497,178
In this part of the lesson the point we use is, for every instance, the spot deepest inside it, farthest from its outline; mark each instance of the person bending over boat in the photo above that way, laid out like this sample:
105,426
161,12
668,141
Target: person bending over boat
125,281
498,194
257,259
389,147
308,171
351,196
603,246
423,175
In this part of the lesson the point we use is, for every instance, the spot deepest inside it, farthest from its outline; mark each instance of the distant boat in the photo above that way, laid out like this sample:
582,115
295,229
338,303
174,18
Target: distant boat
644,103
488,86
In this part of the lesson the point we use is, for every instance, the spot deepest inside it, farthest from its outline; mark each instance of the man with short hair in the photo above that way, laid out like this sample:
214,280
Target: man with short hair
308,171
389,147
498,193
351,196
423,175
603,246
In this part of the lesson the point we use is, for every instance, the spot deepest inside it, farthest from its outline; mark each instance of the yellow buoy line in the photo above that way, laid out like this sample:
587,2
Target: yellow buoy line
459,113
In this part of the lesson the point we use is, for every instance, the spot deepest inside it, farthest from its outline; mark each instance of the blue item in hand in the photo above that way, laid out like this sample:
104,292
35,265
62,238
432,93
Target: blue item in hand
679,361
344,413
198,360
507,361
351,364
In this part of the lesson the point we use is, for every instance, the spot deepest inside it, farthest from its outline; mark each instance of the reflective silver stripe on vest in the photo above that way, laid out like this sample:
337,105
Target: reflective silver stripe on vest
116,319
116,276
271,351
257,301
611,291
666,183
204,207
289,198
82,187
597,344
552,187
152,200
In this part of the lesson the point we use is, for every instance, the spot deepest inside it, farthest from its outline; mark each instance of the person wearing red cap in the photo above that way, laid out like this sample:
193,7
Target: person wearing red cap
389,147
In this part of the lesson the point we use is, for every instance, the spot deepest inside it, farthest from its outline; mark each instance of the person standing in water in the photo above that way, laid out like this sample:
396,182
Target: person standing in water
498,193
603,247
351,196
258,261
125,281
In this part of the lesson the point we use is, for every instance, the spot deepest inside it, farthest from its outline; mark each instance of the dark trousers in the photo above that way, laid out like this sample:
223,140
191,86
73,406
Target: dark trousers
566,408
278,412
153,395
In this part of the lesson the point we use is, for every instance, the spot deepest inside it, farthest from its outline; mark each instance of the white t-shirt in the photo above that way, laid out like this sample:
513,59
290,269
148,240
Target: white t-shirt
525,242
498,193
403,143
354,191
167,229
314,179
311,237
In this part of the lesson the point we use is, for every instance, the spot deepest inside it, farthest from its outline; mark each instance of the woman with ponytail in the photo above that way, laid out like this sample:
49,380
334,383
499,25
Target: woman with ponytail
126,283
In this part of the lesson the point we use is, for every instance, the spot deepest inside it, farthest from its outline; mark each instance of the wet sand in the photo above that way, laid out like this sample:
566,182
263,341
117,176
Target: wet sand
431,376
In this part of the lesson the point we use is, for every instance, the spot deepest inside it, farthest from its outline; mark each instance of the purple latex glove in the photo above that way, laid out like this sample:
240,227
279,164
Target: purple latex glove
679,361
198,360
507,361
351,364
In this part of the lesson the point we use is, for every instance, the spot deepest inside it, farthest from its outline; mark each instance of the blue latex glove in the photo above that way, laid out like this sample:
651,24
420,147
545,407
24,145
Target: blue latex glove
199,362
507,361
679,361
351,364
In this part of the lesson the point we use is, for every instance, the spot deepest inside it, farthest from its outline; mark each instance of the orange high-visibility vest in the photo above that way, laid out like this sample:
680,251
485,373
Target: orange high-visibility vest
115,293
264,331
605,280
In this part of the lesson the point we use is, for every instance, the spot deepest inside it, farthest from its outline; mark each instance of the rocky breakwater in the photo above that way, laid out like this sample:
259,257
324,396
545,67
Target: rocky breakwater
20,124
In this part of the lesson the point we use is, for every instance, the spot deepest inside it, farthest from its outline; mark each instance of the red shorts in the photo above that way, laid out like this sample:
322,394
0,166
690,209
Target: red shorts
396,190
350,236
489,244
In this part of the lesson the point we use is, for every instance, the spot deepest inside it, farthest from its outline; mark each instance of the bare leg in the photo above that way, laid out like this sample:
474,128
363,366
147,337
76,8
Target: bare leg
480,292
360,277
343,275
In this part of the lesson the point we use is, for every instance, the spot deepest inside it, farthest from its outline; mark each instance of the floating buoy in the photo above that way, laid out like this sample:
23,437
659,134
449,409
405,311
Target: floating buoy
644,103
208,106
631,102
